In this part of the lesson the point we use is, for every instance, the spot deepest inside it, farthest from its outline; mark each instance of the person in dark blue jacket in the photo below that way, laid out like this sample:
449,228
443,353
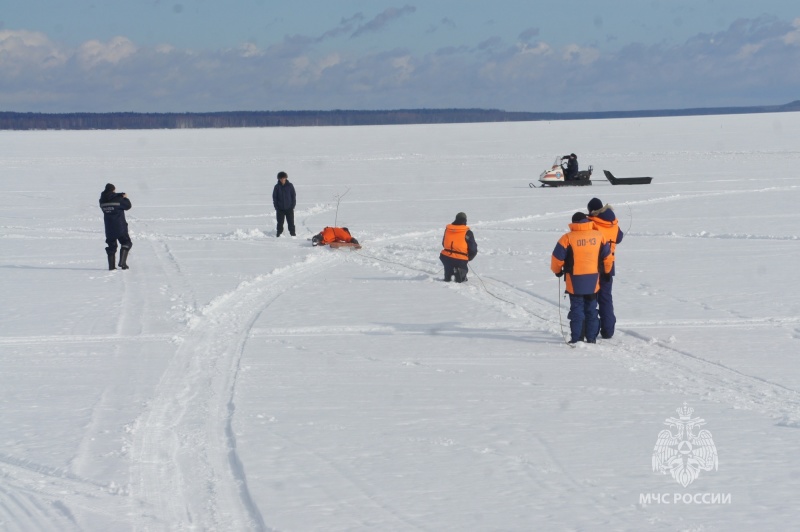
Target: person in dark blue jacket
114,205
571,171
284,200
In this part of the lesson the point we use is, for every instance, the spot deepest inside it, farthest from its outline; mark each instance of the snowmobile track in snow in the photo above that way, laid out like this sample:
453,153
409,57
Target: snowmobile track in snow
185,468
31,496
682,370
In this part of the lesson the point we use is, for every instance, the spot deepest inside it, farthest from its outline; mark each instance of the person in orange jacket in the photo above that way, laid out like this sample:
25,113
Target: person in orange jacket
606,222
333,234
459,248
581,255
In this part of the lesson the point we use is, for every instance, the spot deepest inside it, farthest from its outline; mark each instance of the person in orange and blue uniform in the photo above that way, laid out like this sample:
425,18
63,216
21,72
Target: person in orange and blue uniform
581,255
459,247
606,222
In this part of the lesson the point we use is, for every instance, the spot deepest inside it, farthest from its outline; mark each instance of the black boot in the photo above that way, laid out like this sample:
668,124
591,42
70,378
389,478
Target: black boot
112,258
460,275
123,258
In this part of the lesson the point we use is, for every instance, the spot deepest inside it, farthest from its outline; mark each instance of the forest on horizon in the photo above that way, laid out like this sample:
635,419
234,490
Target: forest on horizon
229,119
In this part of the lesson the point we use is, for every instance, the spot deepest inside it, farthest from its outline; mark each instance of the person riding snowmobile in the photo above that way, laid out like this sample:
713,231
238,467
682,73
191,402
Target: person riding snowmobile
571,170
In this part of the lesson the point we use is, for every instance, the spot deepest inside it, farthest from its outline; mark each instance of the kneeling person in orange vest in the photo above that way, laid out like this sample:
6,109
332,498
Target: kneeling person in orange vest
333,234
459,248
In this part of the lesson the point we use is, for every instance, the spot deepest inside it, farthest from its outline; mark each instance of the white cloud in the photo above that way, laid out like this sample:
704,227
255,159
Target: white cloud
580,54
793,37
23,50
404,67
93,53
250,50
746,66
11,40
541,48
306,71
749,50
164,48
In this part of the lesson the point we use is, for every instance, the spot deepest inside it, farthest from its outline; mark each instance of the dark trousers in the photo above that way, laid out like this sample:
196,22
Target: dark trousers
450,266
124,241
583,317
605,304
288,214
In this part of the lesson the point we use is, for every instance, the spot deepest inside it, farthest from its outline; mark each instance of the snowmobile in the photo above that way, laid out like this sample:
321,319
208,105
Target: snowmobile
555,176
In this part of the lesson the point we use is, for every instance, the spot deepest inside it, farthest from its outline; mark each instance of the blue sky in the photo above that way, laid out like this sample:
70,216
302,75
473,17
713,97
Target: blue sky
574,55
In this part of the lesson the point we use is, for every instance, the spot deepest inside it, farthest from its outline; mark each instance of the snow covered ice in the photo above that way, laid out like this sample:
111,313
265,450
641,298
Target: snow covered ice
234,381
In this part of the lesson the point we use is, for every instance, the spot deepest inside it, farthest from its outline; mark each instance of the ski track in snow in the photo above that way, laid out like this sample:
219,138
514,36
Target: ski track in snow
184,446
82,339
74,233
679,369
185,472
184,443
31,497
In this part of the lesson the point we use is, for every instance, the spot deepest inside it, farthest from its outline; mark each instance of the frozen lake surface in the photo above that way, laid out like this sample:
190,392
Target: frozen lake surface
231,380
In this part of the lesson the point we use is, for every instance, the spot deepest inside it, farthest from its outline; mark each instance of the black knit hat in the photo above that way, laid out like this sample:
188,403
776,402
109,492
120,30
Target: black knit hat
281,175
110,188
461,217
578,217
594,205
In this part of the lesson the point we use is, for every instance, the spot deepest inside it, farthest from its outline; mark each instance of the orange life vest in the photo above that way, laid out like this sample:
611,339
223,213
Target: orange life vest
455,242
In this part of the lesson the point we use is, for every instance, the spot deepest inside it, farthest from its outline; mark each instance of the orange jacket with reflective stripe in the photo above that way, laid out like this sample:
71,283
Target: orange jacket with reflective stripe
609,228
335,234
580,253
455,242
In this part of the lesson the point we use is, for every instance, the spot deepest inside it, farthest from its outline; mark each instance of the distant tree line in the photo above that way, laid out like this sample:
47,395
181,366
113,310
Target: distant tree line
34,121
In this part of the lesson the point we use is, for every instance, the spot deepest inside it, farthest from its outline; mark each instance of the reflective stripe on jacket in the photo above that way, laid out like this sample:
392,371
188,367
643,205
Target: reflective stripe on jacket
580,253
114,206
